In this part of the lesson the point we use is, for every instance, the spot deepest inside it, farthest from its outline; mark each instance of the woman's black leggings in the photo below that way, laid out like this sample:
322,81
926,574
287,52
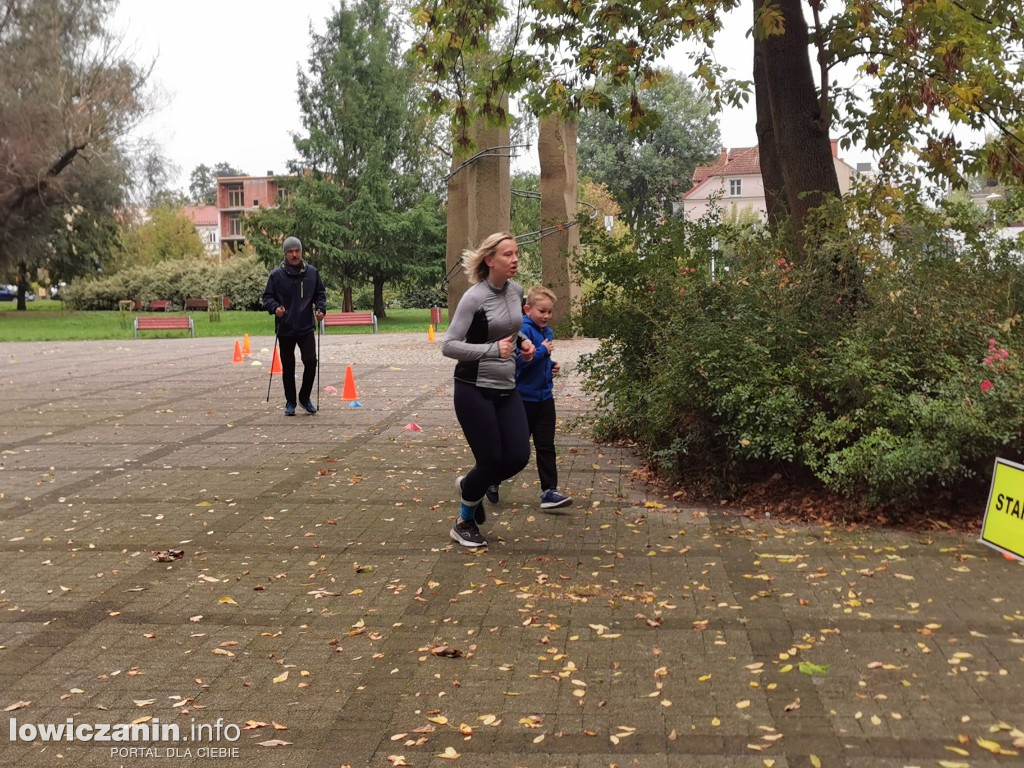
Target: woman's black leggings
494,423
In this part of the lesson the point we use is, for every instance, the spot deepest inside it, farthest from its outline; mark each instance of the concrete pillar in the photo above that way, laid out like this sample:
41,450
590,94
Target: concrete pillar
461,225
493,183
479,202
559,190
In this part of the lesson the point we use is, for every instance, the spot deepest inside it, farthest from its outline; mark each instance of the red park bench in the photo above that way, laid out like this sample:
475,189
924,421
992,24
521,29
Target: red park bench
204,304
159,305
164,324
332,319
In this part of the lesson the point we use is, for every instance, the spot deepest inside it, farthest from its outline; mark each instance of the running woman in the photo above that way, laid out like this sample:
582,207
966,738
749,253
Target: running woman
483,336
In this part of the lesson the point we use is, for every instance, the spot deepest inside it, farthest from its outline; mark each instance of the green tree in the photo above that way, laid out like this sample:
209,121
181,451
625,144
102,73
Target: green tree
165,235
360,196
83,237
202,182
525,224
69,96
647,170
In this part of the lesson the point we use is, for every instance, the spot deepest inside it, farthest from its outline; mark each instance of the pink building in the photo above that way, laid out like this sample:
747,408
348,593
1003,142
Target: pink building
206,220
736,179
238,195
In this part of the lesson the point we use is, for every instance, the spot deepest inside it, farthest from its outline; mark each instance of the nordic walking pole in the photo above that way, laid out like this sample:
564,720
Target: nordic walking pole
319,329
271,379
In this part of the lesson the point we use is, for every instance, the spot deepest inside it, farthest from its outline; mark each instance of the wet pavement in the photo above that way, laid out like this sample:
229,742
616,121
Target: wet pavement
175,551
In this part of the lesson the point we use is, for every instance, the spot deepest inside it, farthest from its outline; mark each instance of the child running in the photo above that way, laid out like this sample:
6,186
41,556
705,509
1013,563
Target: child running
535,382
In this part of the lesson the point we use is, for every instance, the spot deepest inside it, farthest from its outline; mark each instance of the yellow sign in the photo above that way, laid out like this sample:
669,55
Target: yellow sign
1003,526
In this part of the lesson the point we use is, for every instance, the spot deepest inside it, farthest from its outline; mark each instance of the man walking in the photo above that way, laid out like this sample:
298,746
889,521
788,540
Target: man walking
296,297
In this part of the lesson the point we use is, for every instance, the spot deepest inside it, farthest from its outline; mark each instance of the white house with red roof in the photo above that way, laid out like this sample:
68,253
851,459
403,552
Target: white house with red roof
206,219
735,178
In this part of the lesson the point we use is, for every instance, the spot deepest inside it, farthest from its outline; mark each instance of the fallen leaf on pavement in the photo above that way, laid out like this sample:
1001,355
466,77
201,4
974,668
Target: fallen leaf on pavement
446,650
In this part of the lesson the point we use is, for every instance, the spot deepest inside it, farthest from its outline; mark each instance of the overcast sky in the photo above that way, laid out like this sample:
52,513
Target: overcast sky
226,77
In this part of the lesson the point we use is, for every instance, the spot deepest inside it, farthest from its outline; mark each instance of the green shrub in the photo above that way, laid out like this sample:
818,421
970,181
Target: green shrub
763,369
242,278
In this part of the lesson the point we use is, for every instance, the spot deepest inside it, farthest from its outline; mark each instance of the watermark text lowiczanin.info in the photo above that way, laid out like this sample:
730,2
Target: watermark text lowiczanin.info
152,732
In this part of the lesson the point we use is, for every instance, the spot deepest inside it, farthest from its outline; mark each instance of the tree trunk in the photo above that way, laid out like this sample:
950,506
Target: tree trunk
346,301
378,297
776,206
797,123
22,285
795,147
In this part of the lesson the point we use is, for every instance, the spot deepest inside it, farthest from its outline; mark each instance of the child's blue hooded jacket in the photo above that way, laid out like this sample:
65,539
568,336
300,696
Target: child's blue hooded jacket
534,380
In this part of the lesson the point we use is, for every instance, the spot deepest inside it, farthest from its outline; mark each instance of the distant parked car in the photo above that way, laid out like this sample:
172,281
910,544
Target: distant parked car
10,293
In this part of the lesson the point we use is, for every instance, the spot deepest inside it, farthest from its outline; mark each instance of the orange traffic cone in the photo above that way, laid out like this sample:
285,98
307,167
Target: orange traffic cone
430,333
246,349
238,353
349,391
275,364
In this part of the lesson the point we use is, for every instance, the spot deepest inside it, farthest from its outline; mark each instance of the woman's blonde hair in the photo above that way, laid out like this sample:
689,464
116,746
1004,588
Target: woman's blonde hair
473,260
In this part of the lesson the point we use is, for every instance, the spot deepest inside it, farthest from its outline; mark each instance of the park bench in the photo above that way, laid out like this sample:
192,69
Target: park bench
197,304
159,305
332,319
164,324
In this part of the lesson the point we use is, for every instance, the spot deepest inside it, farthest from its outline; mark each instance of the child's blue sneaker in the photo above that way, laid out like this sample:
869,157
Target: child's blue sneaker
289,409
552,499
308,405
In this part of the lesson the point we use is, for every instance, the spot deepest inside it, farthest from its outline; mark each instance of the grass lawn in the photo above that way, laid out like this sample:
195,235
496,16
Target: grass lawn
46,320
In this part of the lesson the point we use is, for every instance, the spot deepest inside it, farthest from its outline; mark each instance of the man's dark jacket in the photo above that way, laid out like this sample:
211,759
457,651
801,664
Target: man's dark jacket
298,290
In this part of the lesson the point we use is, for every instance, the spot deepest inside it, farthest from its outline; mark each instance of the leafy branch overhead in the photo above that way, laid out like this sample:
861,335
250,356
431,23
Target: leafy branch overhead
923,70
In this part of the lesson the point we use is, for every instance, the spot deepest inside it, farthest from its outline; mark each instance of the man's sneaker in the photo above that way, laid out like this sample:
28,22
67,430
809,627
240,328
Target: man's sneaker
480,514
466,533
289,409
492,494
552,499
308,405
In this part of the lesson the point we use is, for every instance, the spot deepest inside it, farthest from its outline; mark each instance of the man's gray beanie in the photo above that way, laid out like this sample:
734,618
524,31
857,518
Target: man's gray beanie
291,243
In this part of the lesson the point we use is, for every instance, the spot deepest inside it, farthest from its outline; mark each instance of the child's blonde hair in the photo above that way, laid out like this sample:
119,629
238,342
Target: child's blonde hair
473,260
540,292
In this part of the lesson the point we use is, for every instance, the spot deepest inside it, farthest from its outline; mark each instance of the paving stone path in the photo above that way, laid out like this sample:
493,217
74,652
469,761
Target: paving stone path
317,589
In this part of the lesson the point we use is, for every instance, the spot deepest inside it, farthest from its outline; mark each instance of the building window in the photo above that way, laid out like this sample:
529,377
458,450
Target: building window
236,197
211,238
235,226
282,195
735,187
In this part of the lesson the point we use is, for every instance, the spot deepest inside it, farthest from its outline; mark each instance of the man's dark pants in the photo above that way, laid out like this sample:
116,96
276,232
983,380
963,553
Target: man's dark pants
307,348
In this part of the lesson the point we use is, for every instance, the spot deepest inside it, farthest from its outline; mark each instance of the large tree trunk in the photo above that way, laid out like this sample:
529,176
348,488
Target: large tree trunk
378,297
797,123
776,208
346,300
795,147
22,285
